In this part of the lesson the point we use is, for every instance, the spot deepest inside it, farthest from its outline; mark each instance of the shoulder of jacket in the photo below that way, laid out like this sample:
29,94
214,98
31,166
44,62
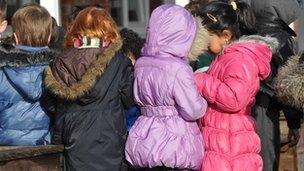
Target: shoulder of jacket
122,59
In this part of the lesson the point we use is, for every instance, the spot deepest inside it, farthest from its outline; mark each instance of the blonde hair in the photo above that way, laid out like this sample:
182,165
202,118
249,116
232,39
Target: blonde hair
33,25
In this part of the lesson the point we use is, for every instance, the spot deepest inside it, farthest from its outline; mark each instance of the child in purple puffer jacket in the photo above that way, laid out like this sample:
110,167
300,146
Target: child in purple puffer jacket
166,133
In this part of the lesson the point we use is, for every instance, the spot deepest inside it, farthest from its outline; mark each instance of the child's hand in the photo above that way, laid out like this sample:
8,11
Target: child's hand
293,137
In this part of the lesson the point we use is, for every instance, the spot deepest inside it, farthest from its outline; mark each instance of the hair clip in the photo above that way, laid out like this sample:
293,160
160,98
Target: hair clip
86,42
77,43
211,17
234,5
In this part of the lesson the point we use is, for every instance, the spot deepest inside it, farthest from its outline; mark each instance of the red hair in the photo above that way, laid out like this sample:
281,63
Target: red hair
94,23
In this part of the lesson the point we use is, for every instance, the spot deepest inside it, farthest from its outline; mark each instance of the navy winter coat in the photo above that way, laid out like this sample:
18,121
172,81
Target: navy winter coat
89,90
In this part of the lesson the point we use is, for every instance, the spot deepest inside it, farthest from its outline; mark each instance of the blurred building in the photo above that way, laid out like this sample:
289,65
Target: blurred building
133,14
299,26
13,5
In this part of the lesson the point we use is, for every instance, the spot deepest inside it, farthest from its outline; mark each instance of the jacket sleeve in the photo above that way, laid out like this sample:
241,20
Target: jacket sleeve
49,102
232,93
190,104
293,117
57,127
126,86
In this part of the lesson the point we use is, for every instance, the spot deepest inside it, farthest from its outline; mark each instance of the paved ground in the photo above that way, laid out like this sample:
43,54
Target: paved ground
300,151
291,159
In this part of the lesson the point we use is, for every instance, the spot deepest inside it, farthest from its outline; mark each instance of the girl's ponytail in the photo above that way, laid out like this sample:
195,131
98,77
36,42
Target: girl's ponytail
246,18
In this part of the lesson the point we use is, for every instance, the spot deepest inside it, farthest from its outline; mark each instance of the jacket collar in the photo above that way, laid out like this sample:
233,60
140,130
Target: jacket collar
31,49
88,79
268,41
16,57
201,41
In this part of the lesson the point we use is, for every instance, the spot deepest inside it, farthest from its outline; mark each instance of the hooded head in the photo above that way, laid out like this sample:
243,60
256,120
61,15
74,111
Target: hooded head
171,32
287,10
259,48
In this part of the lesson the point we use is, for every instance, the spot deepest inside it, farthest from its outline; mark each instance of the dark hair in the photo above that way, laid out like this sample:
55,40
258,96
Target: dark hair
57,37
240,21
132,42
194,5
3,8
55,34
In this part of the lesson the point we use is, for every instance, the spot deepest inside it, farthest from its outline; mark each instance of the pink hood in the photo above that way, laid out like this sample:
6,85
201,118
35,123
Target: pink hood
254,47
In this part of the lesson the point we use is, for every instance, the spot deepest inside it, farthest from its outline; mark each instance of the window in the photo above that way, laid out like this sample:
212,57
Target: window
116,11
13,5
133,14
137,11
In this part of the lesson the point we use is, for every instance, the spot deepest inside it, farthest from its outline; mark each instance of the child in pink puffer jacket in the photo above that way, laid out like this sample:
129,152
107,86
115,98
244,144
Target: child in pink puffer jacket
230,86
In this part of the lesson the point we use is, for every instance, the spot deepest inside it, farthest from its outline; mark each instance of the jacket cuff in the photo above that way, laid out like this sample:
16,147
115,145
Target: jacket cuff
294,123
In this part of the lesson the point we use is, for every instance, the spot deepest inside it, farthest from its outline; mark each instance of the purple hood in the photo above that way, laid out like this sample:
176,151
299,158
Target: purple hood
167,35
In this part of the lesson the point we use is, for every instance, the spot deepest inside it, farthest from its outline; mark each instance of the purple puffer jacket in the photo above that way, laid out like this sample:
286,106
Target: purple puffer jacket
166,134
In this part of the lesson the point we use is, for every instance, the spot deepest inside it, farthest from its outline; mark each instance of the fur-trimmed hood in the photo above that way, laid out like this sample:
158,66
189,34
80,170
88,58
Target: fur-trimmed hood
24,70
172,32
289,83
15,58
201,41
270,42
259,48
83,80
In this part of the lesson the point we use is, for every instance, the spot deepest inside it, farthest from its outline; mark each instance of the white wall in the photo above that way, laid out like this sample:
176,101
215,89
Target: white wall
182,2
178,2
53,7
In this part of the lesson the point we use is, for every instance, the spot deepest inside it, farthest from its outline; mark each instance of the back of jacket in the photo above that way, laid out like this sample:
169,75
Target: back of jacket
22,119
165,90
93,87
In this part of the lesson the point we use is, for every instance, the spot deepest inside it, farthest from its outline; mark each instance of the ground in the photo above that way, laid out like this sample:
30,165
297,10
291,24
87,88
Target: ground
291,159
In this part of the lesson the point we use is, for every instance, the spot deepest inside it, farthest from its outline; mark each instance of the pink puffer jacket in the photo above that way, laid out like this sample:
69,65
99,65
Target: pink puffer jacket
230,86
